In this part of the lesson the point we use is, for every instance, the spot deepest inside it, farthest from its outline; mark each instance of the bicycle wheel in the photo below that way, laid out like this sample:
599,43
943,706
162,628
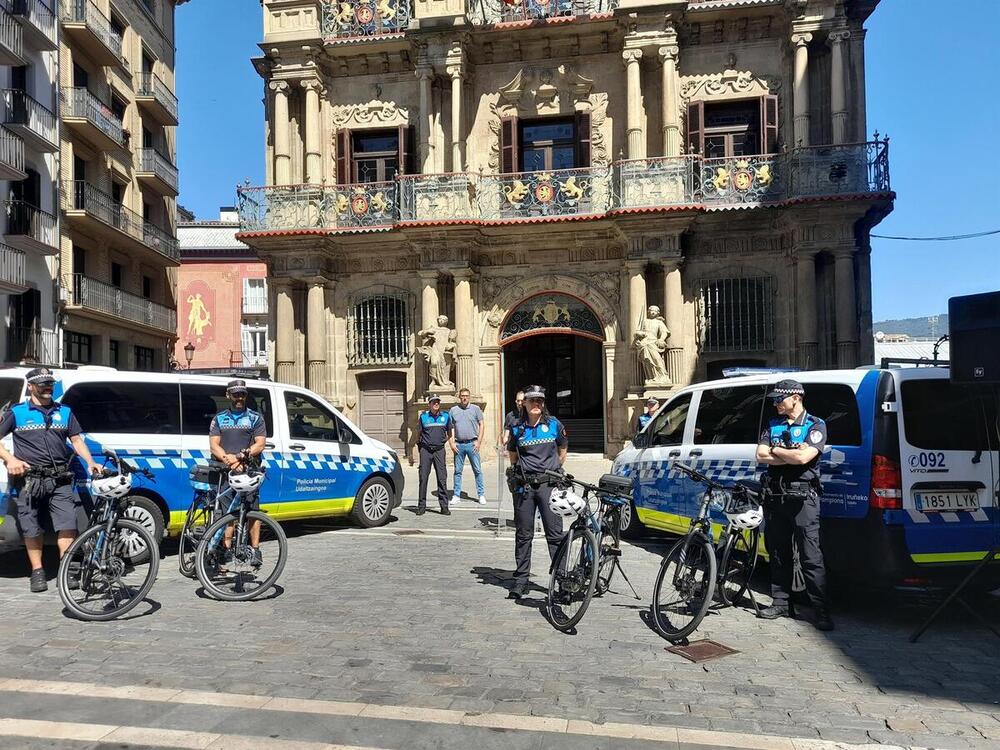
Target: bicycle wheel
573,577
737,565
684,588
238,574
114,576
609,551
199,518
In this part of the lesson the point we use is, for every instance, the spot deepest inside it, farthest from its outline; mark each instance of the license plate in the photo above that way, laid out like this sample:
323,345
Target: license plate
933,502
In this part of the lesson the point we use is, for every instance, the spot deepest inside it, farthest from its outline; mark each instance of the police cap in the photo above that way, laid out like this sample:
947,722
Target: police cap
236,387
40,376
534,391
432,398
785,388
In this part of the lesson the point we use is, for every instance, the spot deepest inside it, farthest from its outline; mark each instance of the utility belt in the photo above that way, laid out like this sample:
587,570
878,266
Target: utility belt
777,487
518,479
39,482
431,448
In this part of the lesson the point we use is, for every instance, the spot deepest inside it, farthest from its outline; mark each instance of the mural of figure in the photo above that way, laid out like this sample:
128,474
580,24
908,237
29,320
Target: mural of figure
438,348
651,341
199,317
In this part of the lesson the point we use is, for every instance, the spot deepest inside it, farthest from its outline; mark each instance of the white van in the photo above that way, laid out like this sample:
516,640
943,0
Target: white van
319,463
910,473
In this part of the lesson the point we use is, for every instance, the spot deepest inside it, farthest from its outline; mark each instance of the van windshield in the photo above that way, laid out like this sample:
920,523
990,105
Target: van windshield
11,390
941,416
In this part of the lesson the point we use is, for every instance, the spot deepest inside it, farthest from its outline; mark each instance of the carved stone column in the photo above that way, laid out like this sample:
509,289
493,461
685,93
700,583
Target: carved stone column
838,85
671,124
847,313
635,136
284,336
673,303
425,147
314,162
464,327
800,93
635,269
428,316
282,151
316,336
808,331
456,70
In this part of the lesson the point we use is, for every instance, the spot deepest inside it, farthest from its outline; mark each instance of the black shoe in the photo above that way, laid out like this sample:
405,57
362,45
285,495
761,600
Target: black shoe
445,512
421,511
38,582
773,613
823,621
517,590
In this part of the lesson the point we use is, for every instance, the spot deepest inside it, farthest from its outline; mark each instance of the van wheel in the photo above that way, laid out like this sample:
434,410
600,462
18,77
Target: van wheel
147,514
373,503
629,522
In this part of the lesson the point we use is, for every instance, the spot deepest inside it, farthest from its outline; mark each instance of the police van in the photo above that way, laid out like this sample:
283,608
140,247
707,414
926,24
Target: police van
910,472
319,463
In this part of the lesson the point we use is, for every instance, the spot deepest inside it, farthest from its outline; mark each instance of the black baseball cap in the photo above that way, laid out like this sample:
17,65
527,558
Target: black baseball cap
40,376
785,388
236,386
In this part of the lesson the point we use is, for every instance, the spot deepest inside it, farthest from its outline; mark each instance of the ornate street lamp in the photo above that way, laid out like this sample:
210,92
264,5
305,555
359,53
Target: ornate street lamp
189,353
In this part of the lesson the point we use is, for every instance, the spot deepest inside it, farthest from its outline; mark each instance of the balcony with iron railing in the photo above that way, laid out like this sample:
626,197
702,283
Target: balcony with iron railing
247,359
32,345
354,20
25,116
155,170
12,270
11,38
688,182
91,118
255,304
11,156
97,210
491,12
31,229
38,21
156,98
96,296
91,31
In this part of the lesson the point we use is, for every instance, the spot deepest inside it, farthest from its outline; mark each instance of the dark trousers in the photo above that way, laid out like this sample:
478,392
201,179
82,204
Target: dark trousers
525,503
433,457
794,520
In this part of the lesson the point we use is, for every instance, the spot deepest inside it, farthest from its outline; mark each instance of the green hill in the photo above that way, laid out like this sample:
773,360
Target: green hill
918,328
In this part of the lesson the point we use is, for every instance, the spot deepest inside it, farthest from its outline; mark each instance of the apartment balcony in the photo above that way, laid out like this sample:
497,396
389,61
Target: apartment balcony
38,22
30,120
32,345
98,213
90,30
359,20
683,183
92,119
11,156
155,171
542,11
155,98
12,270
247,359
31,229
104,301
11,39
255,304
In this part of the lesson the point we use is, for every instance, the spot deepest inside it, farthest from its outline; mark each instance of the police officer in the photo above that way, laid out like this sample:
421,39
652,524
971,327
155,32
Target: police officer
433,431
39,472
791,446
646,417
236,437
537,443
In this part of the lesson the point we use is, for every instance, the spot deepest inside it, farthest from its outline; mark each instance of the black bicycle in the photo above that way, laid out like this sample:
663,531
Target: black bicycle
209,482
112,565
590,551
697,569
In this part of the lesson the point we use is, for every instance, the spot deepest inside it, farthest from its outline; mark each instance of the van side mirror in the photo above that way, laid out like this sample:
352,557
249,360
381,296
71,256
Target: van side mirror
641,440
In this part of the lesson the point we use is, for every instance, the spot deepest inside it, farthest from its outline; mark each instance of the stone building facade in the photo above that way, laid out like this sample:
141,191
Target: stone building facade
545,174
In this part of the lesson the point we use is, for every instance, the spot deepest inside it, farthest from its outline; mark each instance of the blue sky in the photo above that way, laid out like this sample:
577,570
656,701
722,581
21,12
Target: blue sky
930,87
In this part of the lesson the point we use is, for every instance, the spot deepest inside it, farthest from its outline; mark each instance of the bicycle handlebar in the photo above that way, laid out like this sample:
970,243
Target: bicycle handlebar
565,480
124,467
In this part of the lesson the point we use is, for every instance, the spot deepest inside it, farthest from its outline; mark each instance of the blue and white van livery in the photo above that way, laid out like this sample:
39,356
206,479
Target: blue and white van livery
909,475
320,464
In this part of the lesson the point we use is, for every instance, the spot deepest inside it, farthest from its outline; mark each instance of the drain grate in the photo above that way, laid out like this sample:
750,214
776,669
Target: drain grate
407,532
702,650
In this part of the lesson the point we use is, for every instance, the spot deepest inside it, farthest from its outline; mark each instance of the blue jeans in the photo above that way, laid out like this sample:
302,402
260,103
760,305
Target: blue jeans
466,449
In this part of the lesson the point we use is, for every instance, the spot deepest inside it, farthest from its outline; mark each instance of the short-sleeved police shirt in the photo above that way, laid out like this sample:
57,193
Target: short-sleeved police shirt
511,419
434,429
237,430
643,420
807,430
41,432
538,446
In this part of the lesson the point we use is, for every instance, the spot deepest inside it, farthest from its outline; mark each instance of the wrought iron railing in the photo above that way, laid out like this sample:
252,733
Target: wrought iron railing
81,196
438,197
152,161
32,345
498,11
652,183
84,11
12,265
559,192
255,304
21,109
366,205
79,102
247,359
11,150
839,170
739,180
28,220
39,15
11,33
350,19
92,294
149,84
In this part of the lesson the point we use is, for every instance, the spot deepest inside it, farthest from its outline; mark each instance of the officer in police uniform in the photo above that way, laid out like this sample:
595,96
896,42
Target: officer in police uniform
537,443
791,446
433,429
38,470
647,416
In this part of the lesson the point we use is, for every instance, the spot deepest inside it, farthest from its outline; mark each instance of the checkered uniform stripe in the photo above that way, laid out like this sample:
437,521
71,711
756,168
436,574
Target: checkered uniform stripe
30,427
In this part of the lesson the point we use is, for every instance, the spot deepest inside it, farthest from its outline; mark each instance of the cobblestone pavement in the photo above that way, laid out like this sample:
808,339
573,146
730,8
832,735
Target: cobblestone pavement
383,621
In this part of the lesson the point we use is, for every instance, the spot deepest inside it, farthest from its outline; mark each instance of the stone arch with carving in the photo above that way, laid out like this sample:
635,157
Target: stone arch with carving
515,292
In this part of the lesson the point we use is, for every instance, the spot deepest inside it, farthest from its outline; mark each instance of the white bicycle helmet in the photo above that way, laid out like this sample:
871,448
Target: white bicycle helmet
749,518
112,487
566,503
245,481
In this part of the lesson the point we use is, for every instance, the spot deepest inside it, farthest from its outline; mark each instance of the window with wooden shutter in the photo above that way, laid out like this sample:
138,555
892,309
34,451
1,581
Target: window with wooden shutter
696,127
769,124
343,156
508,145
406,154
583,155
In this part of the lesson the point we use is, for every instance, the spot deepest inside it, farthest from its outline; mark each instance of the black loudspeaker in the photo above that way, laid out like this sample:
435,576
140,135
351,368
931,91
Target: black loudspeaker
974,338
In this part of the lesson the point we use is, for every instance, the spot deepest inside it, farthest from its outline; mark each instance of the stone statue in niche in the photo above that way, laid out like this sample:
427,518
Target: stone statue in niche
650,341
438,348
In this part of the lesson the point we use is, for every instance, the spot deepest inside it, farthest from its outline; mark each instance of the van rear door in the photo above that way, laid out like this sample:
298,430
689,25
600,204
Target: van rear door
948,444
